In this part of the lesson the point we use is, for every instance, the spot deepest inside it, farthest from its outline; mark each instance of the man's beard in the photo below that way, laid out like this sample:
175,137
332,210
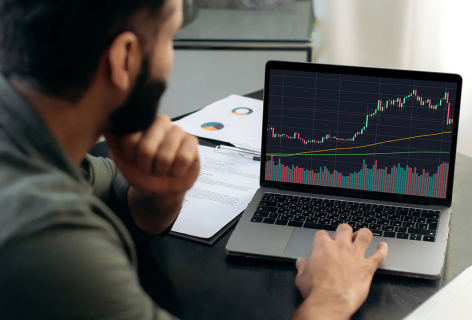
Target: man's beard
139,111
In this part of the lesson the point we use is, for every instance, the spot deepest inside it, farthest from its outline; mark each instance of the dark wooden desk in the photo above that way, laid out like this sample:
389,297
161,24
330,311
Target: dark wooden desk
194,281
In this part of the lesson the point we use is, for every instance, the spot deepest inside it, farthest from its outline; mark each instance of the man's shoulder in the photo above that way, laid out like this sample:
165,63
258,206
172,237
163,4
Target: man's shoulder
18,167
27,176
35,195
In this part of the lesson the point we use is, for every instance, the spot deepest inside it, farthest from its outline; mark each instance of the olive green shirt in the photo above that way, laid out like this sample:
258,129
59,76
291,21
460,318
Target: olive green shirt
63,253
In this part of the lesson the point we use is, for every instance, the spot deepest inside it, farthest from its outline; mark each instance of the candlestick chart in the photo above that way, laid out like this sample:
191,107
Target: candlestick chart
357,132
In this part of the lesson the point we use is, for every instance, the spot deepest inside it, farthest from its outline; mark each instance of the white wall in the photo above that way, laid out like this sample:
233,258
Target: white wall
433,35
202,77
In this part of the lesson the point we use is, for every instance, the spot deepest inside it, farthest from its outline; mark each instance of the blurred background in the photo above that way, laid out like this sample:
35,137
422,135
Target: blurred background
224,45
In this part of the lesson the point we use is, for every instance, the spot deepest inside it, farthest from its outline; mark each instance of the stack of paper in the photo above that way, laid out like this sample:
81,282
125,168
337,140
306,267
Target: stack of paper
452,302
235,119
224,188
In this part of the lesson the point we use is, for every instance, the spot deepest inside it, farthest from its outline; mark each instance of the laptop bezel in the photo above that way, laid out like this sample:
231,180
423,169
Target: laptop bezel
363,71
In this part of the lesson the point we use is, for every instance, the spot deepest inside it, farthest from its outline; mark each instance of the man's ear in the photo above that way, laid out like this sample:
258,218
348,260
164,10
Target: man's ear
125,58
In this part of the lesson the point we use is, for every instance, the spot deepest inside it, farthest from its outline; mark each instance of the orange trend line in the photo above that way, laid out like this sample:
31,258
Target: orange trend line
373,144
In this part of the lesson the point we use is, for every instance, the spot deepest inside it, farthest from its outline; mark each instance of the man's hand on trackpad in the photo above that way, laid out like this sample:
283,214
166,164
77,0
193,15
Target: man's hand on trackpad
336,278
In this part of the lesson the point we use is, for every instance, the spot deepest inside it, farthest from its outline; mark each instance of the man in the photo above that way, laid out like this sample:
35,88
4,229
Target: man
72,71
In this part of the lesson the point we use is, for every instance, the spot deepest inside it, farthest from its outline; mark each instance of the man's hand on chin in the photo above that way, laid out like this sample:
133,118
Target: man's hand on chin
160,164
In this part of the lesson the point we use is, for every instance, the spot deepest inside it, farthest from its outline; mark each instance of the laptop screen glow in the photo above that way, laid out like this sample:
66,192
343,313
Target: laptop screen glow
378,134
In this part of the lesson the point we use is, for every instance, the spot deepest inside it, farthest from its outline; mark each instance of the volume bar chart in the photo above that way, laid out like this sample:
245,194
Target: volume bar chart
398,179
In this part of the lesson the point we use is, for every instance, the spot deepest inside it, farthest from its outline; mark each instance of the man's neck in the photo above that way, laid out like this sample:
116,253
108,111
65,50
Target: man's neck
77,127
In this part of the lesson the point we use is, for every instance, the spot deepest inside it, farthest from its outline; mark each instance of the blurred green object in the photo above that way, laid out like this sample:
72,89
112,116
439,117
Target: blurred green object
191,8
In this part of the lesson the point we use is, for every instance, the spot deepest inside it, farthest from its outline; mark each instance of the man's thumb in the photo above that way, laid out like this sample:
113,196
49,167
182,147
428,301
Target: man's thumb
300,264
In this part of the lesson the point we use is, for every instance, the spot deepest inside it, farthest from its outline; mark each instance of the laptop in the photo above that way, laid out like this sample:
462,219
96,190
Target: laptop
374,148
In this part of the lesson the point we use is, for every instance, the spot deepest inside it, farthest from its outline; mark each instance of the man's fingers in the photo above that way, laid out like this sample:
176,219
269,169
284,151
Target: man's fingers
320,234
343,233
185,183
168,150
363,239
321,238
379,255
194,170
354,235
121,146
300,264
128,145
185,156
300,280
149,143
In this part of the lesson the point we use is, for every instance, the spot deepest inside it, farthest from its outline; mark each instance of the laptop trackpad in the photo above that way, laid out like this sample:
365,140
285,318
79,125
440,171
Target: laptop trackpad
299,245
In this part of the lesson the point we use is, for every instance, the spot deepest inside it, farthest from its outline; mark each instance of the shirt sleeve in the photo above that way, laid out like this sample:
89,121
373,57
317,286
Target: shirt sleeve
72,273
101,172
112,188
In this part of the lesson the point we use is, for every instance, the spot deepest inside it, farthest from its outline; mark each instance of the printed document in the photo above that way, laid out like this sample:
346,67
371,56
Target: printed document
223,190
452,302
235,119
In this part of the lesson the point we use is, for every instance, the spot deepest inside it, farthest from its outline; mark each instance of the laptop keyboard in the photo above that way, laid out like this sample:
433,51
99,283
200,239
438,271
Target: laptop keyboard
316,213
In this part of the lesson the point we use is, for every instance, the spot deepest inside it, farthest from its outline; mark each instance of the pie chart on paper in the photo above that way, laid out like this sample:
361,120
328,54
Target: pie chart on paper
212,126
242,111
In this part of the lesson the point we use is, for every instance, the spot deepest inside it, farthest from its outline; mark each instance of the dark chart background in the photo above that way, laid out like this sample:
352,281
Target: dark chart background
367,133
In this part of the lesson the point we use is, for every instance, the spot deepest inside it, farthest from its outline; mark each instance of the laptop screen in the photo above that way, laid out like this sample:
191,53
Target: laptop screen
384,134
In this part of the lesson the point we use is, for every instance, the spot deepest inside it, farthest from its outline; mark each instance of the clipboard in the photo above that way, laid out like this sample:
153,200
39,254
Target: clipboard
230,225
212,240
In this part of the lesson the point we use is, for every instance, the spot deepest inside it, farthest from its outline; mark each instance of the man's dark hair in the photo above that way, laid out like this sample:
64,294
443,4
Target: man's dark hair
56,45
